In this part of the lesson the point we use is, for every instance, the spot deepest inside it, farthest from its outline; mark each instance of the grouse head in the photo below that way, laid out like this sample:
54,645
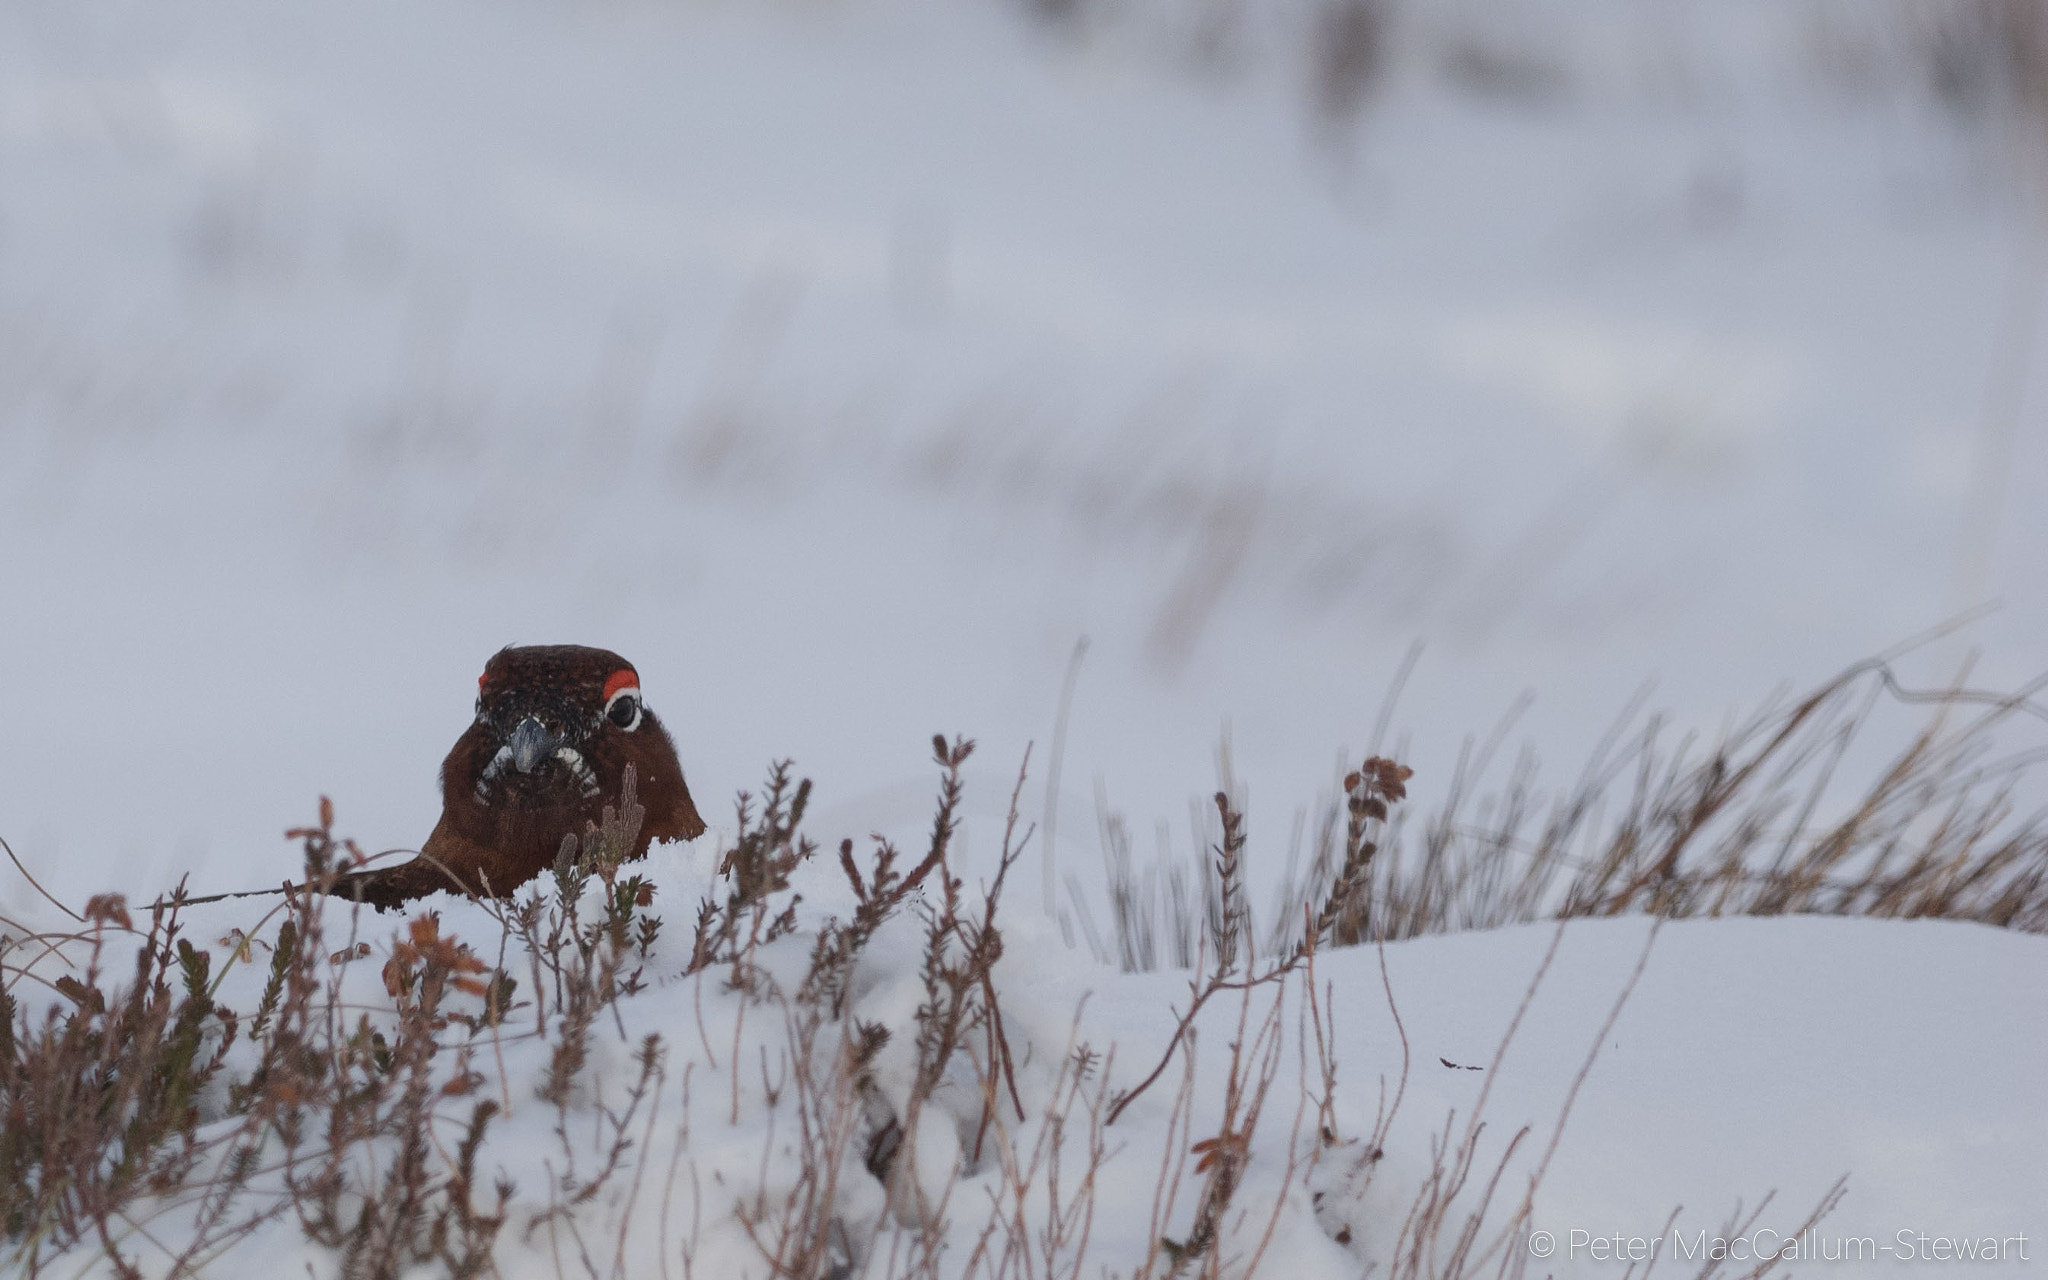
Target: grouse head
556,728
548,716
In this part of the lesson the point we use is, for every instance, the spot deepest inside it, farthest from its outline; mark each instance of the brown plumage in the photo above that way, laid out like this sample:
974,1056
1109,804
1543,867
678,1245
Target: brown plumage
555,728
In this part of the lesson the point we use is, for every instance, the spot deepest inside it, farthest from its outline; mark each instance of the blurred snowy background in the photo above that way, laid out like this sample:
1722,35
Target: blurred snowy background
843,362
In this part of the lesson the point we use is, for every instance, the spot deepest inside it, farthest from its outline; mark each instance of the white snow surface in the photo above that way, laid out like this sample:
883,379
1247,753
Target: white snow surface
844,364
1753,1058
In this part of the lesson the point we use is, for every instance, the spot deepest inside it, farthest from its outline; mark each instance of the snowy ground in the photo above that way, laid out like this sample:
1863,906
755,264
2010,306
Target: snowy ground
843,365
1752,1058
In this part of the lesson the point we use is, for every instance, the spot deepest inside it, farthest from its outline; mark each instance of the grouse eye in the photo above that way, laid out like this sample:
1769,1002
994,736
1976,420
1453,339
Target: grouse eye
624,711
622,698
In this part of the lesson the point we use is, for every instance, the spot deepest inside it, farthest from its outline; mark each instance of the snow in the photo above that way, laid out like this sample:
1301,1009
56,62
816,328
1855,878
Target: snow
844,365
1752,1057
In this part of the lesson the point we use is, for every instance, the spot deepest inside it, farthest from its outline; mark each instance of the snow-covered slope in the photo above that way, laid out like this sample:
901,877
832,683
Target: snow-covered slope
1751,1058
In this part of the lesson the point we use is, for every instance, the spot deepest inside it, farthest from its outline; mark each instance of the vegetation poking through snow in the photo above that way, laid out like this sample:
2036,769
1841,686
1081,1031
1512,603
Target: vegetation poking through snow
154,1125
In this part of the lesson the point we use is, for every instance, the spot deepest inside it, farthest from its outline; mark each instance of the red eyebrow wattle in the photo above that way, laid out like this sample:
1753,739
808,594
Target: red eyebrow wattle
623,678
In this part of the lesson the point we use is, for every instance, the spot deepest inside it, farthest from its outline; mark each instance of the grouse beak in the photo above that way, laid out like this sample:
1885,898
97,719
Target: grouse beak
531,743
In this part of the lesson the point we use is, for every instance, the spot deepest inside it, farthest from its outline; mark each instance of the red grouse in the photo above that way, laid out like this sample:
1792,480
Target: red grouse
555,728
